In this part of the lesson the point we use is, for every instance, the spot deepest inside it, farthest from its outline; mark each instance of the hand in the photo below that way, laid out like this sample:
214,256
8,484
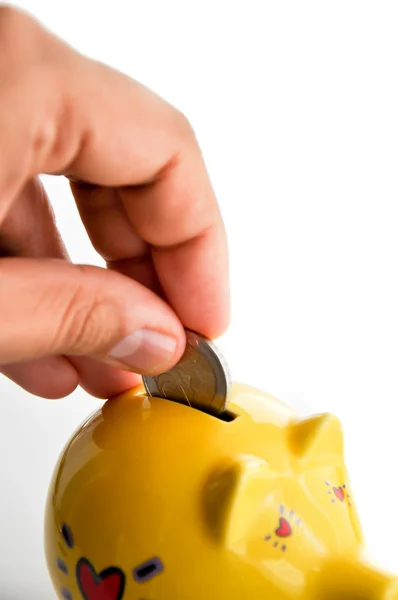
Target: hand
144,197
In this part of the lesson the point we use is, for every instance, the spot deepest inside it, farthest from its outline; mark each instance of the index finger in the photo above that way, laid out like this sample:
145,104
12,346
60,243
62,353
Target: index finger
151,196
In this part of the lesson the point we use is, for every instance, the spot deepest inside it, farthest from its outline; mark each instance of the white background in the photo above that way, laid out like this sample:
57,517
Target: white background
295,105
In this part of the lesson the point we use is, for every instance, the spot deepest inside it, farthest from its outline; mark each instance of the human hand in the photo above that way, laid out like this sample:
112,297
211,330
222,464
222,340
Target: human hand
144,197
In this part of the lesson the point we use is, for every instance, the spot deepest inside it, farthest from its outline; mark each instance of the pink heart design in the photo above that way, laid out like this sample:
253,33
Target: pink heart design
284,529
339,493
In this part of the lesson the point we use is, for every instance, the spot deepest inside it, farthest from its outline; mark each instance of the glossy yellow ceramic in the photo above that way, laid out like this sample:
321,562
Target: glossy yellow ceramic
153,500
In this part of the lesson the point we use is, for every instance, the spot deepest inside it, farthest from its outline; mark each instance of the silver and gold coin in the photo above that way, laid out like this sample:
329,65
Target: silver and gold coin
200,379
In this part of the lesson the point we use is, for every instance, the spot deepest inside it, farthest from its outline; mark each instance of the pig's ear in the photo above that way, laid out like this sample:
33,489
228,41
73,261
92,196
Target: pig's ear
317,440
233,494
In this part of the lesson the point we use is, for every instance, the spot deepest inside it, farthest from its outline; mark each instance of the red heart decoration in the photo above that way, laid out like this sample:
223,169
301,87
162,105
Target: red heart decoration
284,529
107,585
339,493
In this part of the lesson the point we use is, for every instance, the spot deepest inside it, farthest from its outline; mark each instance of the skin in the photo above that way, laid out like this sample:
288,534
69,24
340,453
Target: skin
145,199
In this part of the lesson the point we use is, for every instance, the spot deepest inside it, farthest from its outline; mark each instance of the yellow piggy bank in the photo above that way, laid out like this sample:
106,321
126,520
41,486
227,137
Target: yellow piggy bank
153,500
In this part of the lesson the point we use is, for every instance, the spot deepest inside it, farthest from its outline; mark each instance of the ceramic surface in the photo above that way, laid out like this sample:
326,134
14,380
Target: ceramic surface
153,500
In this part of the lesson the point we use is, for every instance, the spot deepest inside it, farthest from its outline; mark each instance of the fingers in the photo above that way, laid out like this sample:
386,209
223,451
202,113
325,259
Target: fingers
185,249
29,230
101,380
53,308
116,133
113,234
50,377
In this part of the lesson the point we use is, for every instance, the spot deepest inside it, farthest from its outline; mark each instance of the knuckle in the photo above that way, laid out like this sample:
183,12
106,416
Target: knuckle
82,326
16,29
25,43
184,126
11,15
86,322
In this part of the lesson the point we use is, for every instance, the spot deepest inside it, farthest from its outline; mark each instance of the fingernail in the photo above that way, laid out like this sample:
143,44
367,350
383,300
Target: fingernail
145,351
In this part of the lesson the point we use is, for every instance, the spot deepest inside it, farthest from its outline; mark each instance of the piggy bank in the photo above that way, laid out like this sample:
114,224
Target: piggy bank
154,500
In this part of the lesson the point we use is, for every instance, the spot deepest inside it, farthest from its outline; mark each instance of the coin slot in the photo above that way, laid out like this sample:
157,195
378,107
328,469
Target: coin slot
227,416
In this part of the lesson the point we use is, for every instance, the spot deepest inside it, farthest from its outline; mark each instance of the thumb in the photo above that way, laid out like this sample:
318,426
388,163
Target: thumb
51,307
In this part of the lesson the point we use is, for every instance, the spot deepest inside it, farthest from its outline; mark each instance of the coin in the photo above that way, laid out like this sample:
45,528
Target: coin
200,379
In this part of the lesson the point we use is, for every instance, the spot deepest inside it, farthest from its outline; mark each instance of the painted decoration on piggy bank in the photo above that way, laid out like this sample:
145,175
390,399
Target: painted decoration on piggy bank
153,500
